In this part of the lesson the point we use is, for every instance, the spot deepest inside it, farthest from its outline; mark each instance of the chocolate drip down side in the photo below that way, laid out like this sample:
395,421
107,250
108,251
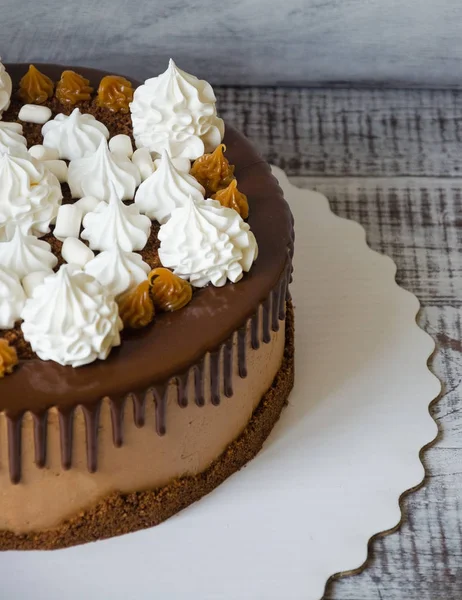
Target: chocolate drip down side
220,377
196,342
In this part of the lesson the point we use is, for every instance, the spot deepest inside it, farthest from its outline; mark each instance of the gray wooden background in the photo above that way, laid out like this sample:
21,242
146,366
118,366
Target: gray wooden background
248,42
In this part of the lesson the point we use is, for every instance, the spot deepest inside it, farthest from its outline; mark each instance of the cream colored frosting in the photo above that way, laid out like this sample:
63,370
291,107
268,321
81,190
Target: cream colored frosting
176,112
71,319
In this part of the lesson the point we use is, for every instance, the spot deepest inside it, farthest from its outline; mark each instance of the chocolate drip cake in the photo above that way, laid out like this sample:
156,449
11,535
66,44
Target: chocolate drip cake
146,328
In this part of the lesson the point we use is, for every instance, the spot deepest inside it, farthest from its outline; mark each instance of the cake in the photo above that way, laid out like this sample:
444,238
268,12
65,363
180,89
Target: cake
146,327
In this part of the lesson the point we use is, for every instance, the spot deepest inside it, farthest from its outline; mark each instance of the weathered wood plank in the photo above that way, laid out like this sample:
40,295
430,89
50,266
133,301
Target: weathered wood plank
242,42
326,132
417,222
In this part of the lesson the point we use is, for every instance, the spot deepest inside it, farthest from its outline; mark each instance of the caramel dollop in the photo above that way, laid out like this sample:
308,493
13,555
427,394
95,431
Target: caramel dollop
72,88
8,358
35,87
169,292
213,171
231,197
115,93
136,308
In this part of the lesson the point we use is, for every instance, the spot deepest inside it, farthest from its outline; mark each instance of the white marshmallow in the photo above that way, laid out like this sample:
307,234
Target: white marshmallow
121,144
33,280
142,159
43,153
58,168
75,252
32,113
182,164
87,204
68,222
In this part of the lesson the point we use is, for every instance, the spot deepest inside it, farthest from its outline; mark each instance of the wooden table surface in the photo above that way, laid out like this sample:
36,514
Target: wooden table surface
391,160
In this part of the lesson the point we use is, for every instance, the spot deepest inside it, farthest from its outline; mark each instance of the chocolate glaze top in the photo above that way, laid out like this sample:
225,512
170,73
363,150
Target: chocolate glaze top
175,341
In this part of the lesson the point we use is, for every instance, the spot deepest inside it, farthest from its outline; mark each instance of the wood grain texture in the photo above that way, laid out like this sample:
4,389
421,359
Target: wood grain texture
241,42
403,184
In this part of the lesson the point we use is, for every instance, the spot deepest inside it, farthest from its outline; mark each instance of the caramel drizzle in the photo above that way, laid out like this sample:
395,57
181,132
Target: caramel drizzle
273,311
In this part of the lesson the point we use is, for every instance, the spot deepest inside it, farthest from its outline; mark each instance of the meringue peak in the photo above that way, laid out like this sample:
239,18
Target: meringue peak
205,242
71,319
12,298
11,137
103,174
166,189
176,111
6,87
24,254
74,136
118,270
115,222
30,194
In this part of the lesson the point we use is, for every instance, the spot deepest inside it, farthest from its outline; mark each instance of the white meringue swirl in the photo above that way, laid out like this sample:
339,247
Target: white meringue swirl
103,175
11,137
176,112
118,271
24,254
30,195
12,298
166,189
206,242
71,319
116,223
6,87
74,136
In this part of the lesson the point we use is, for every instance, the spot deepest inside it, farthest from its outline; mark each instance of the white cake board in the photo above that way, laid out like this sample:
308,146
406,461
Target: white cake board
328,478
